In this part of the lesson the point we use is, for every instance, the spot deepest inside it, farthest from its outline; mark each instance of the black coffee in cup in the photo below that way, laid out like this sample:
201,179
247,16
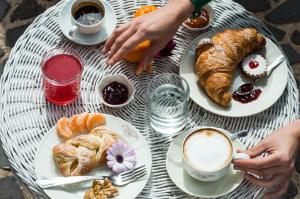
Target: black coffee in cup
88,13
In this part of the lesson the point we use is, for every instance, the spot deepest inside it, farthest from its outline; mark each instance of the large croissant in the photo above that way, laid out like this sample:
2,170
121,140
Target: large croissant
81,154
217,58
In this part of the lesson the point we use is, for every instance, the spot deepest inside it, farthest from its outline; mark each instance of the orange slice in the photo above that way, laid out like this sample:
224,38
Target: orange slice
138,53
63,129
73,124
81,122
95,120
144,10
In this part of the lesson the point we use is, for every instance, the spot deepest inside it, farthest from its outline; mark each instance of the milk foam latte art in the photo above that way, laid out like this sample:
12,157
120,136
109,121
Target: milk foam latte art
207,153
208,150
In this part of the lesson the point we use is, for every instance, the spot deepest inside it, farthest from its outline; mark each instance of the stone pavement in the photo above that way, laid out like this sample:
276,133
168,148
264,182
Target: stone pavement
281,16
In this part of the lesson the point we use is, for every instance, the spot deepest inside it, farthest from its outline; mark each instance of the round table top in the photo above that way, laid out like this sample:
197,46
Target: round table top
25,116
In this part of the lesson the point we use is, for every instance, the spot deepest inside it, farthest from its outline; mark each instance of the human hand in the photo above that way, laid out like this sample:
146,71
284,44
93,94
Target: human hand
273,171
158,27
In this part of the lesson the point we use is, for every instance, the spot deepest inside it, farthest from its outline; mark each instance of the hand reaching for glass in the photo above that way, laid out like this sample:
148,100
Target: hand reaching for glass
273,172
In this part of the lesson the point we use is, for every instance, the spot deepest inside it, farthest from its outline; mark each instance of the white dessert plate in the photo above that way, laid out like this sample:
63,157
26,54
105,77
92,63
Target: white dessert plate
46,168
195,187
272,86
110,23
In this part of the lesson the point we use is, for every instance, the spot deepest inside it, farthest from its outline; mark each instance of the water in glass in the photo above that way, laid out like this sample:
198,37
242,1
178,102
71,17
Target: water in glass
168,103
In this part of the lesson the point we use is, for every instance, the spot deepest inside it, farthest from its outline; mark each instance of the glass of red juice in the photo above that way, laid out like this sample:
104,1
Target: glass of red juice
61,68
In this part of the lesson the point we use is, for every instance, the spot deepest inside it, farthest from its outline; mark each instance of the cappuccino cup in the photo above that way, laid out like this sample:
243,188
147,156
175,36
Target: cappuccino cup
207,153
87,16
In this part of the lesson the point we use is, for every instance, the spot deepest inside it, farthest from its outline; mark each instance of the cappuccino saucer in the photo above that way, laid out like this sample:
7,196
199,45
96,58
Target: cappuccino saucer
191,186
110,23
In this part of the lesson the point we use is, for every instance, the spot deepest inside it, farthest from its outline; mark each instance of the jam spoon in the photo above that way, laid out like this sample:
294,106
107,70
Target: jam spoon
248,88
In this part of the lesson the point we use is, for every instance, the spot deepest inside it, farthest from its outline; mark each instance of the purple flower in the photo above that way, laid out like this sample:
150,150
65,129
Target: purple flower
120,157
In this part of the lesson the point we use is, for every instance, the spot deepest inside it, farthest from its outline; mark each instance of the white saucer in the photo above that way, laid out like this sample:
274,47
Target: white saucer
194,187
110,23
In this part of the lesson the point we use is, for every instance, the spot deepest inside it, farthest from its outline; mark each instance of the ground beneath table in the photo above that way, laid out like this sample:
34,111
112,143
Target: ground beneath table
281,16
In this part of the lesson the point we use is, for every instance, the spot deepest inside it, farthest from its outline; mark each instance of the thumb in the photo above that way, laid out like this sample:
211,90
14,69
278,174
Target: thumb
150,54
256,150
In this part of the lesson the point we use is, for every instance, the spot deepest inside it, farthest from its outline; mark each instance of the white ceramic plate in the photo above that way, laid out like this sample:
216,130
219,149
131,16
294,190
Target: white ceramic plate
45,166
192,186
272,86
110,23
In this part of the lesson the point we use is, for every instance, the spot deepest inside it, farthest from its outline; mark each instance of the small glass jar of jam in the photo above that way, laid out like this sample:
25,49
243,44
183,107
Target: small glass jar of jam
199,19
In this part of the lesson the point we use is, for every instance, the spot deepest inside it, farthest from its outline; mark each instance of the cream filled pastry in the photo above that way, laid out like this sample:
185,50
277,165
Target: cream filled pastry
254,66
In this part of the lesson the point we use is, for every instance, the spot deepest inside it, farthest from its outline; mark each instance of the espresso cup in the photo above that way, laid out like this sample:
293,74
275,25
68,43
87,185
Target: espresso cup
80,7
208,152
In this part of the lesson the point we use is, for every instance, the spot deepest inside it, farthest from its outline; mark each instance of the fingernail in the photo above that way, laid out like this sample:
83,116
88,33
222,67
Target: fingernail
109,62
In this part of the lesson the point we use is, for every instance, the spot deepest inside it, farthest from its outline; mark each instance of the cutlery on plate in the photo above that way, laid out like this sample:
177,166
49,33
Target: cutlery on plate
252,86
239,134
118,180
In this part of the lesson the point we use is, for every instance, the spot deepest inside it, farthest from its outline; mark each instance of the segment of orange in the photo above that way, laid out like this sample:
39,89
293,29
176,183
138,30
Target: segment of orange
81,122
138,53
144,10
95,120
63,129
73,124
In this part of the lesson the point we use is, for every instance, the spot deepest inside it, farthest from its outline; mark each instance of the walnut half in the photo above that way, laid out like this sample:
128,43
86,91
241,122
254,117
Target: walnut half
101,190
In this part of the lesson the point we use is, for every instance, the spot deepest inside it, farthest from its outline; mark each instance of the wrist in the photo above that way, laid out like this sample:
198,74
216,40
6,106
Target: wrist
182,9
294,128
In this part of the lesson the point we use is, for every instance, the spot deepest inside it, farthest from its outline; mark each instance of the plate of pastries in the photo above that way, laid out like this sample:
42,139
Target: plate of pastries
220,65
89,144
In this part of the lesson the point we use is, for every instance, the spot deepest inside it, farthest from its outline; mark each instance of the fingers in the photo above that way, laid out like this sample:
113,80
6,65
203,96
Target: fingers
267,172
259,162
115,35
150,54
282,189
120,40
270,183
257,150
131,43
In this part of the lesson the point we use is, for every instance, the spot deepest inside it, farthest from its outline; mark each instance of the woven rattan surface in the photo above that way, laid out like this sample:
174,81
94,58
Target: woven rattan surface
25,116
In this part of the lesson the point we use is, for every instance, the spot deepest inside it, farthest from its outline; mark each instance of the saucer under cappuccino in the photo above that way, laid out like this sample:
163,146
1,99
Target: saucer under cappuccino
208,150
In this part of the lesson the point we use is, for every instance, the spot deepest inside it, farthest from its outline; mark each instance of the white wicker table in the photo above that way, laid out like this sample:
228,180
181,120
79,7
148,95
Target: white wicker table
25,116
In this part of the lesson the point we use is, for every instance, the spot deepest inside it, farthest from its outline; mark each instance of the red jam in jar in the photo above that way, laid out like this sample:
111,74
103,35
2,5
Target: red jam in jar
115,93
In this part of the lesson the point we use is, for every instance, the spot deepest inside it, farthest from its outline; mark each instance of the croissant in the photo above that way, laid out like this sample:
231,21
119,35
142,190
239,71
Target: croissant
83,153
217,59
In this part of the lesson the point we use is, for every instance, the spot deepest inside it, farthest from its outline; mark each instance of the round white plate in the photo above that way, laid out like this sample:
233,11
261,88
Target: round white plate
45,166
110,23
272,86
194,187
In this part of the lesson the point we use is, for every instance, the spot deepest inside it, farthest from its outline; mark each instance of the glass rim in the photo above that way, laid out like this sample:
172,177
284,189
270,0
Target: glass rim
76,56
187,91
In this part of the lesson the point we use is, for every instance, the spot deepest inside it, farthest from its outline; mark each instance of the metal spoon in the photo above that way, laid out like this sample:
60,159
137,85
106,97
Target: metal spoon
270,69
239,134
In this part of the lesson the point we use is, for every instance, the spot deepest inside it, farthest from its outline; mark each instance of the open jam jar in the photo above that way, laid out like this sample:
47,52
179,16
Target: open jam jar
115,93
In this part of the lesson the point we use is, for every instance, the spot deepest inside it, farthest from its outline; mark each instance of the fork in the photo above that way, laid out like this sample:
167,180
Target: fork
118,180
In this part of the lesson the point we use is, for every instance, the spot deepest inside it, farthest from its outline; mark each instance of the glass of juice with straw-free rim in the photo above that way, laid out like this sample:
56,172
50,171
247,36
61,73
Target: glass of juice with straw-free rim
61,69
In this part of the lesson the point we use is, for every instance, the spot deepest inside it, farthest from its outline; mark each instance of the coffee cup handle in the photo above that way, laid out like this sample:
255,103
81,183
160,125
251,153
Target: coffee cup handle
241,156
74,29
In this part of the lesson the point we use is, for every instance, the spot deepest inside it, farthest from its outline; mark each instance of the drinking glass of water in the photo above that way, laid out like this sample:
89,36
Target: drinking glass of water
168,96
